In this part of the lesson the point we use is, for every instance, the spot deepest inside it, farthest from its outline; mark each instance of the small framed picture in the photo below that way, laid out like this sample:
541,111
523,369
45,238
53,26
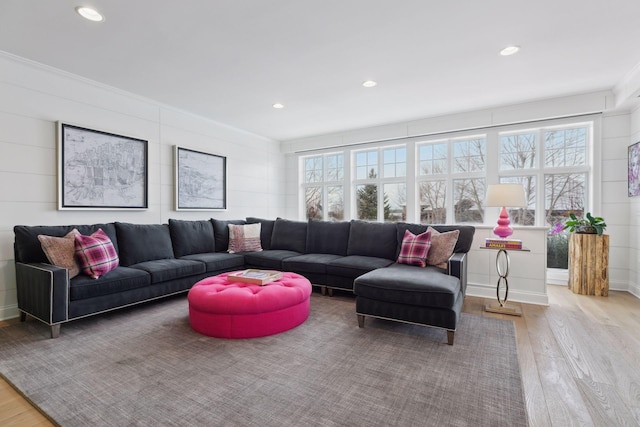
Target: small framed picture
101,170
200,180
634,170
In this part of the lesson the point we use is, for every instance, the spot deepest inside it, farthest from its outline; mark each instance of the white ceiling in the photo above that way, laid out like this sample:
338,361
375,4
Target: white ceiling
230,60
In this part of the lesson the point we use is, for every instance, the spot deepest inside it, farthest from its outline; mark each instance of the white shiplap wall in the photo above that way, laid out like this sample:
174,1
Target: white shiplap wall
33,97
633,232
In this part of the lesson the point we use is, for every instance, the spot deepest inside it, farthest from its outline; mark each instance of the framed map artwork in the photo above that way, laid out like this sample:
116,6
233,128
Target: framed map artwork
201,180
634,170
101,170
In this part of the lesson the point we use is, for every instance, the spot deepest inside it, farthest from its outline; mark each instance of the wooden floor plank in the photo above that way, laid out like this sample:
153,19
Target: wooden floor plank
579,360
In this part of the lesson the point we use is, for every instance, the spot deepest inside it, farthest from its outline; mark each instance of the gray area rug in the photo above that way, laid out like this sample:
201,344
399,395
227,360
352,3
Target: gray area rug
145,366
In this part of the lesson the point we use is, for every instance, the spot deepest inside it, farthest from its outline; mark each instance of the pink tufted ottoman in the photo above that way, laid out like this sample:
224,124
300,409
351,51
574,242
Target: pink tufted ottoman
223,309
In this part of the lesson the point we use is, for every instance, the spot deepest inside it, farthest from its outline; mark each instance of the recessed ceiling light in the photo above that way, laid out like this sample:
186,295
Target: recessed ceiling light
509,50
90,14
369,83
278,105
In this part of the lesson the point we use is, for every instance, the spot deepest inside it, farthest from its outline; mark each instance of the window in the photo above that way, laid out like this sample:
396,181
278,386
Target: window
323,185
466,182
381,197
562,170
443,179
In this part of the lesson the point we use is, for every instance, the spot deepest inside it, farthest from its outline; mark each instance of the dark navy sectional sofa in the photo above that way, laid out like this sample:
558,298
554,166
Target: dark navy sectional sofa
157,260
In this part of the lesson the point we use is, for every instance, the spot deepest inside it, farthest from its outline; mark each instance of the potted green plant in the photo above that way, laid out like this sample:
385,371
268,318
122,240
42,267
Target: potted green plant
587,225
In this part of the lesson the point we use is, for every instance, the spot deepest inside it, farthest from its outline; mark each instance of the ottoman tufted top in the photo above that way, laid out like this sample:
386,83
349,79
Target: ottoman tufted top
219,295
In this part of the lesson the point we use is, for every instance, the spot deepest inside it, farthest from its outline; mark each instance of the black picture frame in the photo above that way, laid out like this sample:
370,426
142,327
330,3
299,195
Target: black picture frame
100,170
634,170
200,180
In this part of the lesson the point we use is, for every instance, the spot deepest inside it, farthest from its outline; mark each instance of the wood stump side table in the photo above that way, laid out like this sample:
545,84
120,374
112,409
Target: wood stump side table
589,264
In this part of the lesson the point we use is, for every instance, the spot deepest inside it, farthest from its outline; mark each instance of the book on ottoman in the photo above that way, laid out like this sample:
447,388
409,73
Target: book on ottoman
256,277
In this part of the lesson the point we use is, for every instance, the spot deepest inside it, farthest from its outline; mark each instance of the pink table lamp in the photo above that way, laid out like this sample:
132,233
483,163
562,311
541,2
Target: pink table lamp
503,195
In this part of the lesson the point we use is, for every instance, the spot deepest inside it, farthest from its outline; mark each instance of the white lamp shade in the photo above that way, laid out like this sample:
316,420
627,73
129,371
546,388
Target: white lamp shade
506,195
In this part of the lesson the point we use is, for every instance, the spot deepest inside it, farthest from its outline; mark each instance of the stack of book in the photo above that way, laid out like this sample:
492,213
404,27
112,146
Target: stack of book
253,276
503,243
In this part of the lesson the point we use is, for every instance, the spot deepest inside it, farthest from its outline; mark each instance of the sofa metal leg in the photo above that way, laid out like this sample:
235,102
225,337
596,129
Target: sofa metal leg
450,337
330,291
360,321
23,316
55,331
323,290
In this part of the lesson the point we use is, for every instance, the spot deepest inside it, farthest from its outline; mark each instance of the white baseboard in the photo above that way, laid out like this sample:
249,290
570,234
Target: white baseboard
9,312
634,289
486,291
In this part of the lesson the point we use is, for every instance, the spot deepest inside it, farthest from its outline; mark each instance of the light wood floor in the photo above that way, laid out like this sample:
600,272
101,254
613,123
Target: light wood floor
579,358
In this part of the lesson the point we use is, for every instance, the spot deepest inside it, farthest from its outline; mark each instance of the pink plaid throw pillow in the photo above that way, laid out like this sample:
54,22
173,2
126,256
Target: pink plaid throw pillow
414,249
96,254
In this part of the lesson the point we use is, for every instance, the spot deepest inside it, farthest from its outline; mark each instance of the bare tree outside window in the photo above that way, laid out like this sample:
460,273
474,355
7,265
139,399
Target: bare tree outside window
313,169
564,194
433,159
567,147
468,199
433,198
335,167
469,155
313,197
323,178
335,203
518,151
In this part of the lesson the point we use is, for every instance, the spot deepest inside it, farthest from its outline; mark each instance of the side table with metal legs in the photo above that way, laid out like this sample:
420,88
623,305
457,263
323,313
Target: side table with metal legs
503,263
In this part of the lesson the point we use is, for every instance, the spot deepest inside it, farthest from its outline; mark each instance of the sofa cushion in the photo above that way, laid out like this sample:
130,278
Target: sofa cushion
244,238
325,237
289,235
414,249
191,237
309,263
271,260
353,266
162,270
266,230
143,242
119,280
442,246
405,284
27,247
61,251
96,254
218,261
465,239
373,239
221,232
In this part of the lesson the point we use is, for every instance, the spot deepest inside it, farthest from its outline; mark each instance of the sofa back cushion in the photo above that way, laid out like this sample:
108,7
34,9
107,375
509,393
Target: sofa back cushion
27,247
143,242
374,239
266,230
289,235
221,232
465,239
191,237
324,237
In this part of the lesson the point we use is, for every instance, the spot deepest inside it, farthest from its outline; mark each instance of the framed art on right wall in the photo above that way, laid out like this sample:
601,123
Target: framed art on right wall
200,180
634,170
